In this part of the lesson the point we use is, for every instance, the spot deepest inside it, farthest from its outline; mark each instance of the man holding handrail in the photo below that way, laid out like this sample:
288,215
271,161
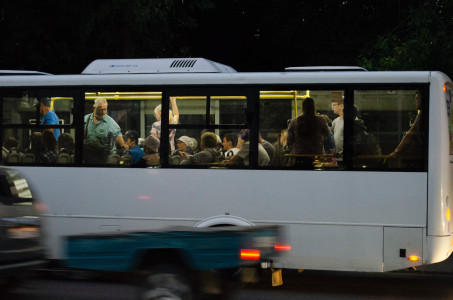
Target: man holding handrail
101,131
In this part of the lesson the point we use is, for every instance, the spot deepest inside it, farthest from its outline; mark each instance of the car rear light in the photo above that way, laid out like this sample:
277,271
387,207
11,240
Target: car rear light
282,247
250,254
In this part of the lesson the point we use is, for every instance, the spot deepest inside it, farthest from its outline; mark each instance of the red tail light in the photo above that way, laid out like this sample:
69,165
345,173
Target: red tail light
282,247
250,254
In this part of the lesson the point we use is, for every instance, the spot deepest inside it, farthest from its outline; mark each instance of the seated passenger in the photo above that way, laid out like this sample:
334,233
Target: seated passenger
208,153
219,147
281,148
151,149
230,142
194,146
131,140
49,147
183,144
270,149
242,157
11,143
306,134
65,144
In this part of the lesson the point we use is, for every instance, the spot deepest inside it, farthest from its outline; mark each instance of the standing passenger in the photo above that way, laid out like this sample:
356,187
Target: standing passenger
338,125
307,132
411,146
100,133
173,118
49,117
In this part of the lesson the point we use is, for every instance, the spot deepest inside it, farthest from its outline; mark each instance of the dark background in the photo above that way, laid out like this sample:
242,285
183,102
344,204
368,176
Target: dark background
63,37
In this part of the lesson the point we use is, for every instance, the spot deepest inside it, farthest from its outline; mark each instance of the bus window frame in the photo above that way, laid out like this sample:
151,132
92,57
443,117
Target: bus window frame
38,92
423,88
251,111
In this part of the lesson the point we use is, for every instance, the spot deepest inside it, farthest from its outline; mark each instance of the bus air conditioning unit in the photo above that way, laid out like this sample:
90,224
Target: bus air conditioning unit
155,66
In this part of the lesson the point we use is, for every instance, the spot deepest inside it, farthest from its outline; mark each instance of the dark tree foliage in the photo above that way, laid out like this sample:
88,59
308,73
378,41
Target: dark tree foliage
61,36
273,34
423,40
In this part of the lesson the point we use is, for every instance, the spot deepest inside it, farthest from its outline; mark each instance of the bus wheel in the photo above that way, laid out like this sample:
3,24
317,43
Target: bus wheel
167,282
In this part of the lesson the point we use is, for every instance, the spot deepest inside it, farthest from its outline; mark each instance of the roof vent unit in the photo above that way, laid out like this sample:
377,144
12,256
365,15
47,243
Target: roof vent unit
325,69
156,65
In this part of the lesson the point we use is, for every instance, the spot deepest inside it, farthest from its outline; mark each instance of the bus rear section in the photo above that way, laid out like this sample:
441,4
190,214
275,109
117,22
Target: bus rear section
440,171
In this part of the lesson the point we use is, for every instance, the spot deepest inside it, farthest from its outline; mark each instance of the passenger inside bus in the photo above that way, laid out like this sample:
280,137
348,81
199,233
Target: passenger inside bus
208,153
409,151
48,148
337,127
101,131
65,144
281,149
306,135
329,141
242,157
173,118
131,139
151,149
183,144
49,117
10,143
270,149
230,142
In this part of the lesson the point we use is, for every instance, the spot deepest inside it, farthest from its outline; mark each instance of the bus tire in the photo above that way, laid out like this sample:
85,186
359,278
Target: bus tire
167,282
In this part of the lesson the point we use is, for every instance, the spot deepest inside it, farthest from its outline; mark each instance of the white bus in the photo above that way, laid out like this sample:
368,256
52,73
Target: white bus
358,211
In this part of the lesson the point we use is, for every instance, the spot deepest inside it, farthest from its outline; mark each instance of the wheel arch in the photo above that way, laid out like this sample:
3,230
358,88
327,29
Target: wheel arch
222,220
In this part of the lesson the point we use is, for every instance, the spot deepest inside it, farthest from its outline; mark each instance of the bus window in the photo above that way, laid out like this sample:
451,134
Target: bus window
119,112
279,108
449,99
45,124
388,131
199,114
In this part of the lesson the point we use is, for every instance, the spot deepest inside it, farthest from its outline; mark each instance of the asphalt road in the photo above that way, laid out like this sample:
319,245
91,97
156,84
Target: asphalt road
305,285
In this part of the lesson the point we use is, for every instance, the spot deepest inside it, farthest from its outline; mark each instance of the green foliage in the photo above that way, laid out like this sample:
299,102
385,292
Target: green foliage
422,41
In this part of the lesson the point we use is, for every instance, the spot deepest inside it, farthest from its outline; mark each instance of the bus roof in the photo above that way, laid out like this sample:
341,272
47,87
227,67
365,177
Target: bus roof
21,72
239,78
324,69
156,65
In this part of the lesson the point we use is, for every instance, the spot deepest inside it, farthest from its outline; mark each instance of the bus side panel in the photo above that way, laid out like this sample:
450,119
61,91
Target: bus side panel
322,209
399,245
332,247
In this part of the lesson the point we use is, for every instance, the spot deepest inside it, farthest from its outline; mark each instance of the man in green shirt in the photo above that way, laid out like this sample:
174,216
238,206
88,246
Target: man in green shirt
101,131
